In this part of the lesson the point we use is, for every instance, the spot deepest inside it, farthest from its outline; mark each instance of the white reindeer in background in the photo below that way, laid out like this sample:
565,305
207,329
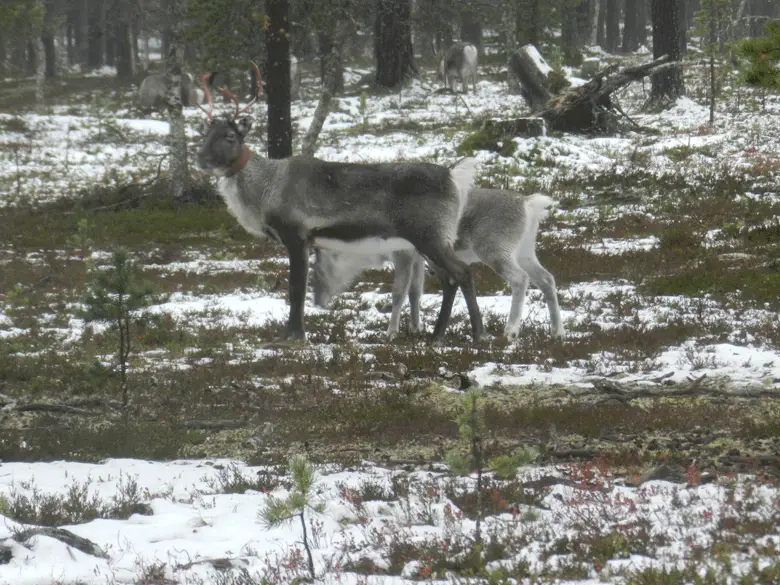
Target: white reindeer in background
460,61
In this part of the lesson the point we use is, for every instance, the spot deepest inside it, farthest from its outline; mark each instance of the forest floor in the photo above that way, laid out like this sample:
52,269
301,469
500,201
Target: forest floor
665,245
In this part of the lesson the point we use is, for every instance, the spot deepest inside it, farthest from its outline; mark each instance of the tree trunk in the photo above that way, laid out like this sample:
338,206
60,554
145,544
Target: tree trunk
393,43
574,29
601,24
630,35
105,58
278,83
47,38
331,62
82,33
95,36
527,22
179,173
471,28
531,70
124,40
584,12
693,6
40,71
641,22
682,33
613,26
667,85
333,78
509,28
2,55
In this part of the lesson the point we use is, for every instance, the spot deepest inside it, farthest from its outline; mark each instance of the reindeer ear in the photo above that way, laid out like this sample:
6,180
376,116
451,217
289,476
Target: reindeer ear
244,125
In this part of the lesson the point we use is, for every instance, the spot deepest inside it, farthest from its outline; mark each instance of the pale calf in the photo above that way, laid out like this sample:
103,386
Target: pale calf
498,228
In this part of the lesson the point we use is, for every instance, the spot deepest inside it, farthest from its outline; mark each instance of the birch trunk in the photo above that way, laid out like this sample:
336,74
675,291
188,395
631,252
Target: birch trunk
40,71
332,80
510,44
178,170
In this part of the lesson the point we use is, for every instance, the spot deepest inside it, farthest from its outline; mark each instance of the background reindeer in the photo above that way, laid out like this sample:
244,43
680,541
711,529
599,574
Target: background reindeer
498,228
305,202
459,61
151,94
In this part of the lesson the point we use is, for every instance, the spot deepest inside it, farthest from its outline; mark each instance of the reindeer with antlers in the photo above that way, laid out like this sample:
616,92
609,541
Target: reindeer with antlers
305,202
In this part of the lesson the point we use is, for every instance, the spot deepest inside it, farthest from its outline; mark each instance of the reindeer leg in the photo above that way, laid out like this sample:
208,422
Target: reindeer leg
449,290
298,251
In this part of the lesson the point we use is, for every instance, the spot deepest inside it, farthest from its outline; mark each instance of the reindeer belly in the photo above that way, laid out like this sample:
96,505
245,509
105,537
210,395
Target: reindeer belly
370,245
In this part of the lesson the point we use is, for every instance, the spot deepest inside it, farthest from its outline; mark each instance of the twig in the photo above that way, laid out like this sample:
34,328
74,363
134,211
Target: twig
126,187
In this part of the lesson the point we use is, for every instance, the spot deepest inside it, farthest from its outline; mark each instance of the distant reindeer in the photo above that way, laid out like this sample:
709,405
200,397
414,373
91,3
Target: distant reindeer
151,94
304,202
459,61
498,228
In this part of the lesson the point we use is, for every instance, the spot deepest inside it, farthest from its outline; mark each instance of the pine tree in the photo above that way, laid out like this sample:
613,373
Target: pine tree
470,458
393,42
763,56
711,24
279,511
113,296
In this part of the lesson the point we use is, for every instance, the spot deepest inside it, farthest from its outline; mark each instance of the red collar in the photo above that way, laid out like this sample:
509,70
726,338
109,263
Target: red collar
240,163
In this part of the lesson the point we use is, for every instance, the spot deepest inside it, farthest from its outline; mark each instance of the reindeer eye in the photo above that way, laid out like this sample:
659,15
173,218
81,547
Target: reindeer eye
230,136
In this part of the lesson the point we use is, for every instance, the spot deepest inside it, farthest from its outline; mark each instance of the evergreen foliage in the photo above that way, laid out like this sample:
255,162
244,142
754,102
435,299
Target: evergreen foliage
278,511
763,56
112,297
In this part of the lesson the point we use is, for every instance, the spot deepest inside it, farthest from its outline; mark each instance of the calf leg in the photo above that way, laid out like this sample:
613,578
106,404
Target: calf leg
506,267
415,292
546,283
403,273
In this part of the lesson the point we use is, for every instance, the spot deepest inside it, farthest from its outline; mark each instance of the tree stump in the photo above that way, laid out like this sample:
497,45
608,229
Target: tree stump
532,71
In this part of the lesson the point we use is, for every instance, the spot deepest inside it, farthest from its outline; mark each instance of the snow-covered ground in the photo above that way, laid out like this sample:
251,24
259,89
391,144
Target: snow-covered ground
194,527
659,524
57,154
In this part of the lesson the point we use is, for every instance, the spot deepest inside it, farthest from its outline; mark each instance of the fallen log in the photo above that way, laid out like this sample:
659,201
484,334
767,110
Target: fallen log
83,544
532,72
589,108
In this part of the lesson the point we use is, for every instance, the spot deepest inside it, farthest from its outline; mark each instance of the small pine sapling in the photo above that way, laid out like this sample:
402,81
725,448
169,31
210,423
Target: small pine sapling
712,23
278,511
470,458
114,296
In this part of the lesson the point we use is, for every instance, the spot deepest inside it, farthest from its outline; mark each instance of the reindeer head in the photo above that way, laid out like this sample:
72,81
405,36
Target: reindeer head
223,148
334,272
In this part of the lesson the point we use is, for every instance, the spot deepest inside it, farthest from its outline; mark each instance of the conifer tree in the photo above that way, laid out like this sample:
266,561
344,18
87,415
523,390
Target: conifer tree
278,511
763,56
113,296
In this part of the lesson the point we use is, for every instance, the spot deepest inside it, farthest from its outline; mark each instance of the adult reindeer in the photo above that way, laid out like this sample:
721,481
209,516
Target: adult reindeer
305,202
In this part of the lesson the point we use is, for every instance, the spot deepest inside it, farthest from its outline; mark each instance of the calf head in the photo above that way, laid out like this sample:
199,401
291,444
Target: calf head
334,272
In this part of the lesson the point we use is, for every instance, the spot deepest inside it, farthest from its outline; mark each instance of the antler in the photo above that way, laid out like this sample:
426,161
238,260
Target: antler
227,93
207,93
